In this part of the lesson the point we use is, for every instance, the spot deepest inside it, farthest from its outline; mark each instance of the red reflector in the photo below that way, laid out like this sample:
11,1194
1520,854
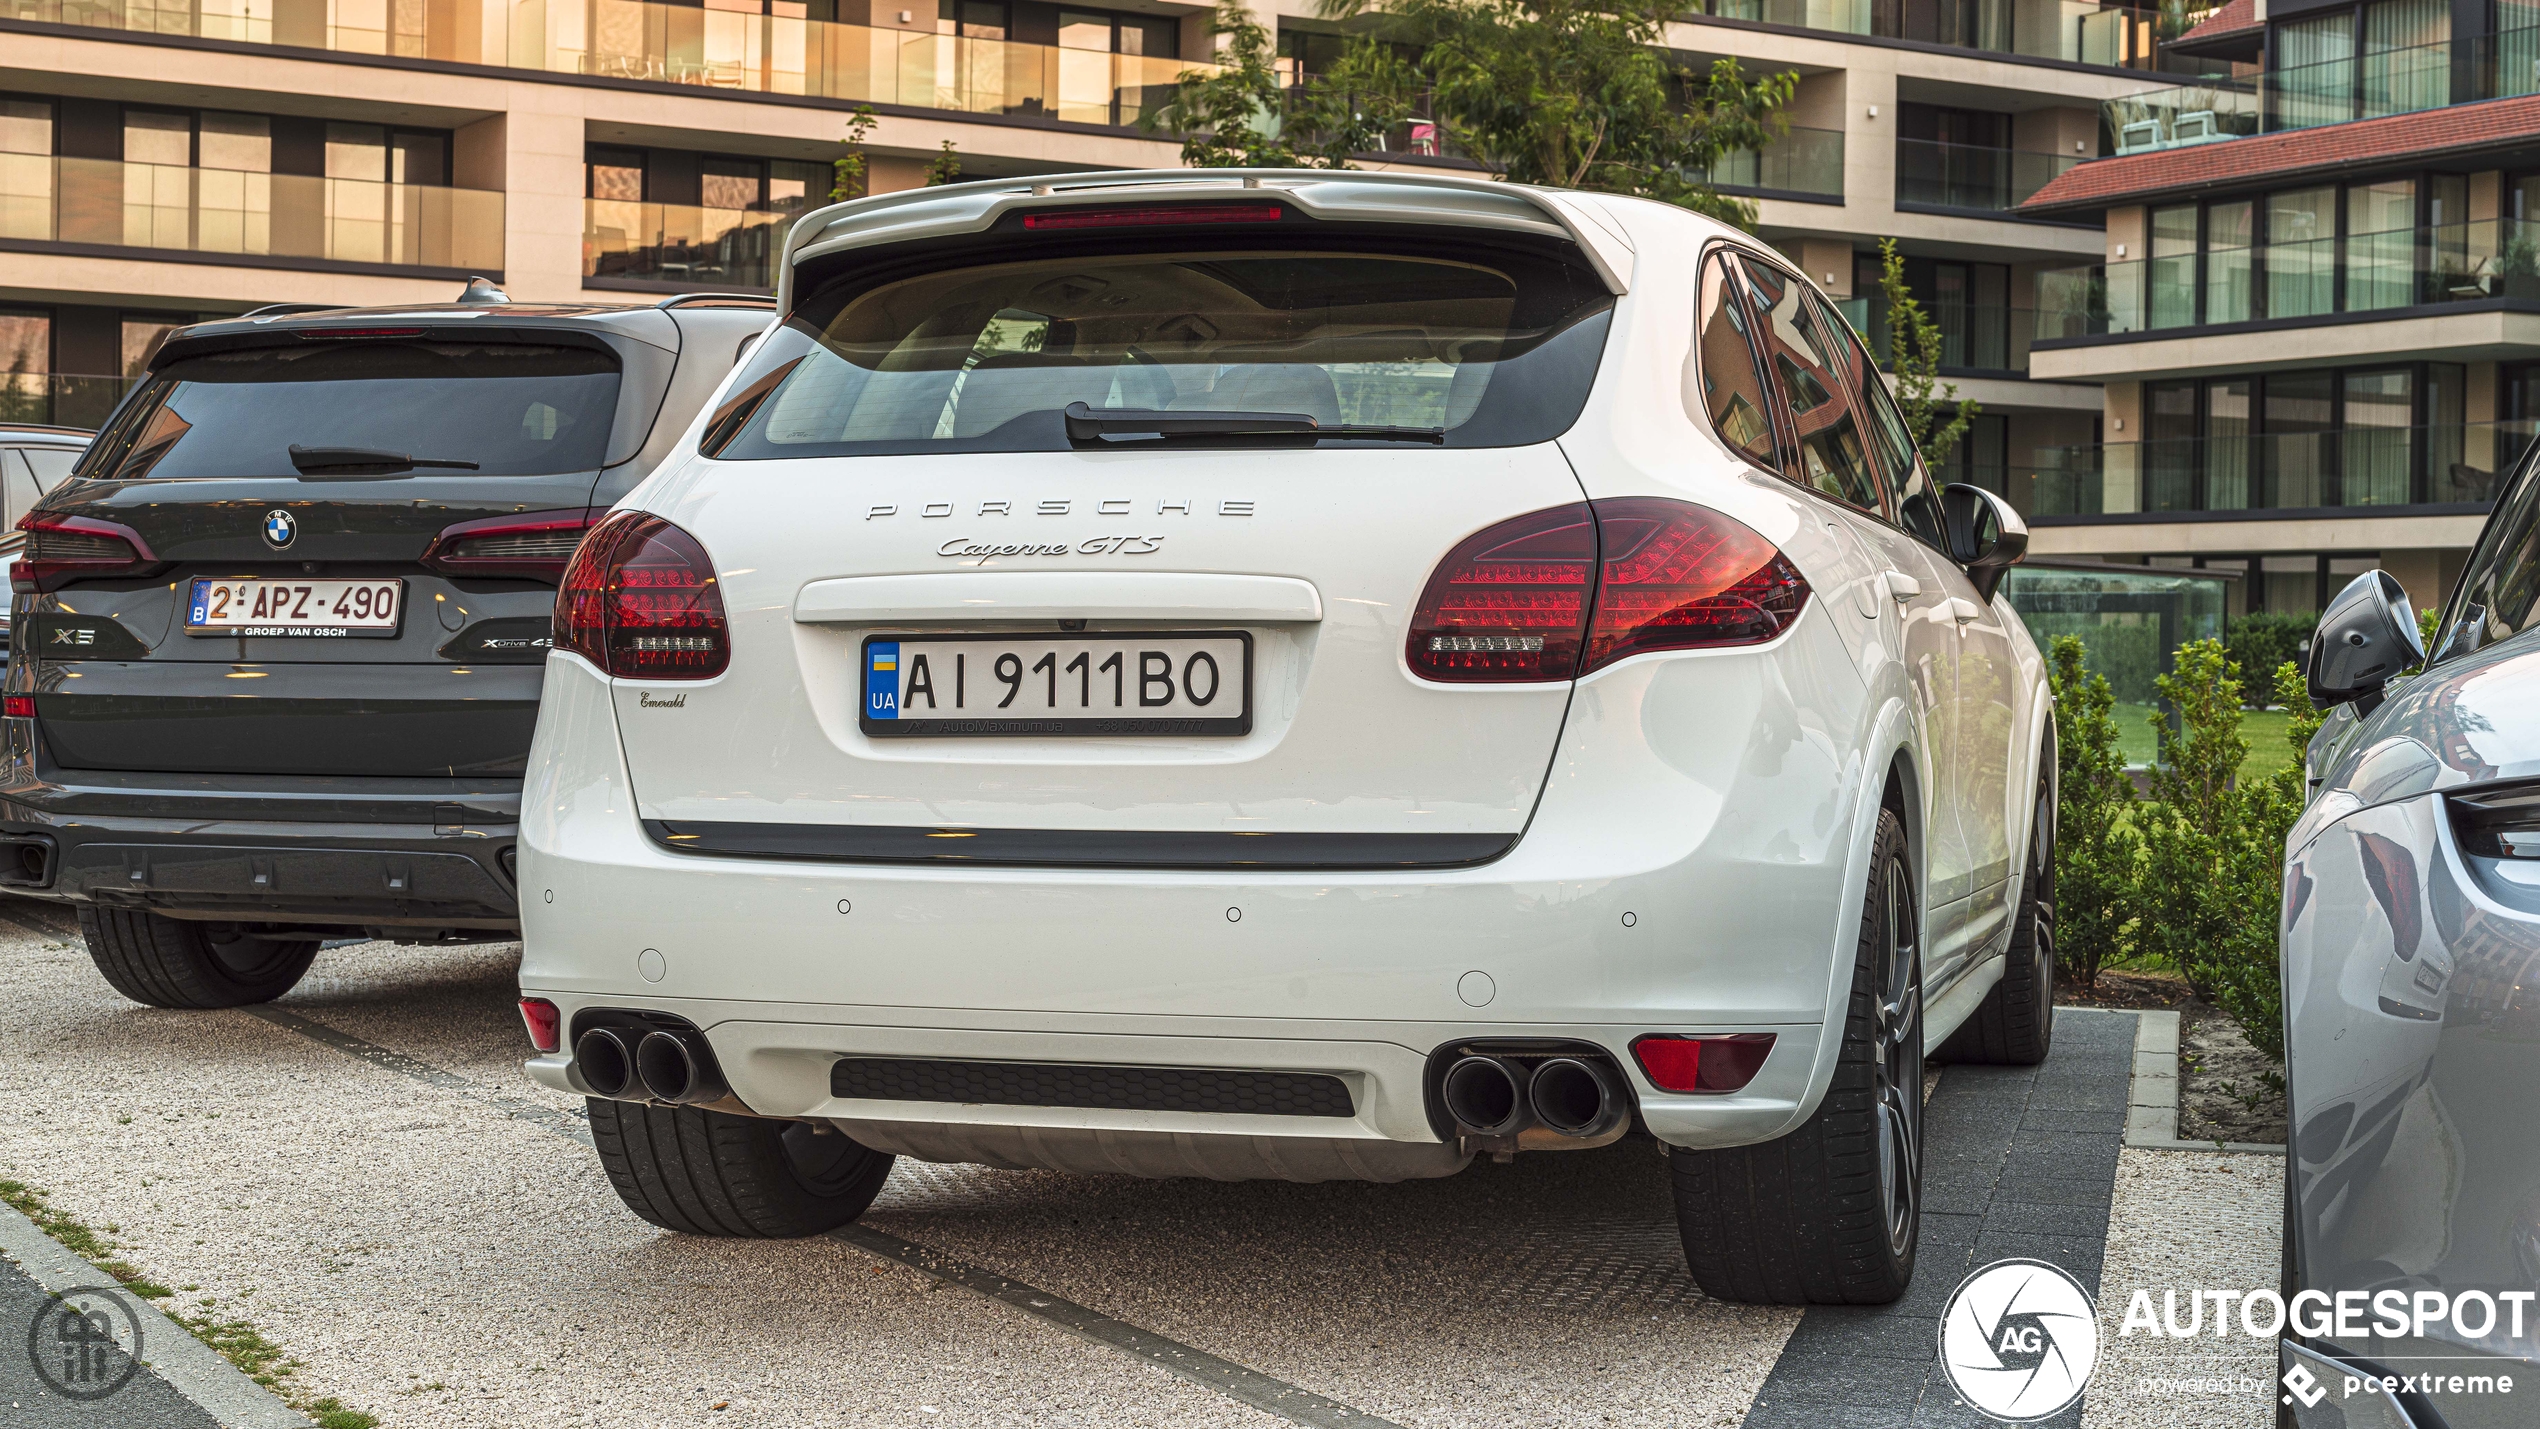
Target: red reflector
1509,603
17,706
546,1025
1680,577
1719,1063
640,600
1153,214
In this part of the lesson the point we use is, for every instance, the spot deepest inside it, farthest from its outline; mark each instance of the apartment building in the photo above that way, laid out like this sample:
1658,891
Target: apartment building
2316,319
163,160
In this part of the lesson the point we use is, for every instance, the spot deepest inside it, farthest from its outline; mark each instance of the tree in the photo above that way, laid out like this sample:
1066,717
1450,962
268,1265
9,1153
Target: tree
1568,93
847,174
1911,347
945,167
1242,117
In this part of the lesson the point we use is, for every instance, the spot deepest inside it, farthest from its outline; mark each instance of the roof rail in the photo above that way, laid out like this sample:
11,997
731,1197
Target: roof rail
275,310
718,300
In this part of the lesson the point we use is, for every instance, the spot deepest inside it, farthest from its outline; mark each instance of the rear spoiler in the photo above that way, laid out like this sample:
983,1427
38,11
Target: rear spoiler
1345,196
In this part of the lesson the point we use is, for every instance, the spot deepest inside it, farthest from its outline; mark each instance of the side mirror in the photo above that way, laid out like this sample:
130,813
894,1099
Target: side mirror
2365,637
1986,537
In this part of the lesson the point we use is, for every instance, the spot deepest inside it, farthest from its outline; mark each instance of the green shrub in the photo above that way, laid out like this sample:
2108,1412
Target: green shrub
2096,847
2264,639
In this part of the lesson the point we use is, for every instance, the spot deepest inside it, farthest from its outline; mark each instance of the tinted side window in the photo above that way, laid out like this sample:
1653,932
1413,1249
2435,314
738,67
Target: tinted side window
1907,482
1724,383
1833,455
2501,587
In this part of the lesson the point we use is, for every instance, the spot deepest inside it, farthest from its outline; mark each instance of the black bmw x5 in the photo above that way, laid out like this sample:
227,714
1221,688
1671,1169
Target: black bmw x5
281,635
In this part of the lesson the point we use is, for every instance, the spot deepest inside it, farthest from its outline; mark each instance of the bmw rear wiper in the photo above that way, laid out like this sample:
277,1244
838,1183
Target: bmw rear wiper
363,461
1136,424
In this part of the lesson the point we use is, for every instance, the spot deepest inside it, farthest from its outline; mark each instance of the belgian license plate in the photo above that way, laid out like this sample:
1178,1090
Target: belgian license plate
1039,685
253,605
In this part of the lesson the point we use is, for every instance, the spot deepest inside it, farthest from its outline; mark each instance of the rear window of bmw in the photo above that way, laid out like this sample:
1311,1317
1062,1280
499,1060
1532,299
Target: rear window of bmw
1486,348
458,408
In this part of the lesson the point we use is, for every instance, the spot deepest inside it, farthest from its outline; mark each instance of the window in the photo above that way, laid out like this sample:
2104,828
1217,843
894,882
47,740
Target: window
2314,64
2301,252
986,358
157,137
26,168
2169,446
1832,457
616,175
2227,435
1727,388
2172,277
2407,62
2300,407
143,333
797,185
2380,245
728,183
2375,458
26,362
971,19
2228,234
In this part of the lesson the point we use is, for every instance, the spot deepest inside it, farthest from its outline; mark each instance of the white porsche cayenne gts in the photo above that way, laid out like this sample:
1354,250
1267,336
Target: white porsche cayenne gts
1291,674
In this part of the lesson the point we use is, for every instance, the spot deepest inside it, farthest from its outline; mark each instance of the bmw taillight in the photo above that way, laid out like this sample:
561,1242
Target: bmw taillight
1557,593
61,549
640,600
536,544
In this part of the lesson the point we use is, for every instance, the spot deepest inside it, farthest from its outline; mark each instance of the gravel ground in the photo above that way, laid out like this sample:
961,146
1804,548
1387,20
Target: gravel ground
437,1263
2185,1220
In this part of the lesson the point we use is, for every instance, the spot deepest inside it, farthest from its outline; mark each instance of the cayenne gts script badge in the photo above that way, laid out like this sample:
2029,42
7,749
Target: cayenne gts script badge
962,547
280,529
1061,506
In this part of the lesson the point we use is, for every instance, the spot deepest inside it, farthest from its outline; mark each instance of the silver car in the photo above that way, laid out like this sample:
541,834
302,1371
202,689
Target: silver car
2412,1005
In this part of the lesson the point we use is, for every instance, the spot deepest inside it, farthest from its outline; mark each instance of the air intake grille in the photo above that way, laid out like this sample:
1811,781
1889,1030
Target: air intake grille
1189,1089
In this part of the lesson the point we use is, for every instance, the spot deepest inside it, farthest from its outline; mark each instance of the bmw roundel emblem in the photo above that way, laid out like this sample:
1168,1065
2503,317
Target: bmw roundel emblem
280,528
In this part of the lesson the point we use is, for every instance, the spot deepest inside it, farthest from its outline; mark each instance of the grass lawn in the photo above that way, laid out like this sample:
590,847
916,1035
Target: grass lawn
2264,729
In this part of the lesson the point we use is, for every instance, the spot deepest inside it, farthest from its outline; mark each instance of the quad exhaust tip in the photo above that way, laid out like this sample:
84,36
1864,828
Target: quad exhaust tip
607,1064
676,1067
1575,1097
1487,1096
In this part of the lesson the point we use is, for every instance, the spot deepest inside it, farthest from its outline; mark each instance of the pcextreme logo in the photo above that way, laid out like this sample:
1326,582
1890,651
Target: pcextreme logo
2019,1340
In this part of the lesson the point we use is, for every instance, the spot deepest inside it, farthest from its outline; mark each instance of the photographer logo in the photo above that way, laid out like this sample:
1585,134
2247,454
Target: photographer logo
2019,1340
86,1344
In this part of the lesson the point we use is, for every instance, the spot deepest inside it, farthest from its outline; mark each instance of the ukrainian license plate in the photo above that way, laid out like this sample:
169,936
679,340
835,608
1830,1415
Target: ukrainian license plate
252,605
1040,685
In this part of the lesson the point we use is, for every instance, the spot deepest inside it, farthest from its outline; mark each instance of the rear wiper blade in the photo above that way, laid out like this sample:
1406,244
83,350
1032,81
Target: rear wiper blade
1135,424
363,461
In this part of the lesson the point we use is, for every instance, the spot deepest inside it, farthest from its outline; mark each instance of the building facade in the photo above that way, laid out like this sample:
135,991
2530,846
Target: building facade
2316,318
164,160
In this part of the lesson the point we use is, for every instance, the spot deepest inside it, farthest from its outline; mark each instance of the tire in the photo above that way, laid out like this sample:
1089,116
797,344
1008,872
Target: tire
1831,1213
170,962
702,1172
2015,1024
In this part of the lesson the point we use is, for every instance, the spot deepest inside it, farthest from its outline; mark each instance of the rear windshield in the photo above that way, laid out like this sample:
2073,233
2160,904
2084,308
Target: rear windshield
1491,350
513,409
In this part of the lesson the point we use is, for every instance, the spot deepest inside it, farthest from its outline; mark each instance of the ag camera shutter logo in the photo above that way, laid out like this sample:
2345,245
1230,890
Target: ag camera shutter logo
2019,1340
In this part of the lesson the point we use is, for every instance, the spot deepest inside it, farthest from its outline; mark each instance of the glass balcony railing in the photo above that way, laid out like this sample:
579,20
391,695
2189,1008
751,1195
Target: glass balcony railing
2372,85
60,398
2082,31
229,211
705,45
681,243
2353,466
2402,267
1966,176
1974,337
1801,161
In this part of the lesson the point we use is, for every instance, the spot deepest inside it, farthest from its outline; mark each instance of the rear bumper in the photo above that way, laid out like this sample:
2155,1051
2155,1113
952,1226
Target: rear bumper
340,851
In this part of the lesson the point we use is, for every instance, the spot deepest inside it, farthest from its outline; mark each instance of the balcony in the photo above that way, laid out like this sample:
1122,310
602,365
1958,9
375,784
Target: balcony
2374,85
1976,339
1965,176
1803,162
162,206
706,46
2077,30
2355,467
2398,268
680,244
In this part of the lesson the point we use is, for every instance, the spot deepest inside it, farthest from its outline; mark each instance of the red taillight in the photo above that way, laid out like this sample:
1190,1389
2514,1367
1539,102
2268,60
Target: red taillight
639,600
1724,1062
1510,603
17,706
533,543
1151,215
60,549
1531,599
546,1025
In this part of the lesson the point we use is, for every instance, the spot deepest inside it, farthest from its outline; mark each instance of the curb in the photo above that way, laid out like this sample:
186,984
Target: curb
2151,1113
193,1369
